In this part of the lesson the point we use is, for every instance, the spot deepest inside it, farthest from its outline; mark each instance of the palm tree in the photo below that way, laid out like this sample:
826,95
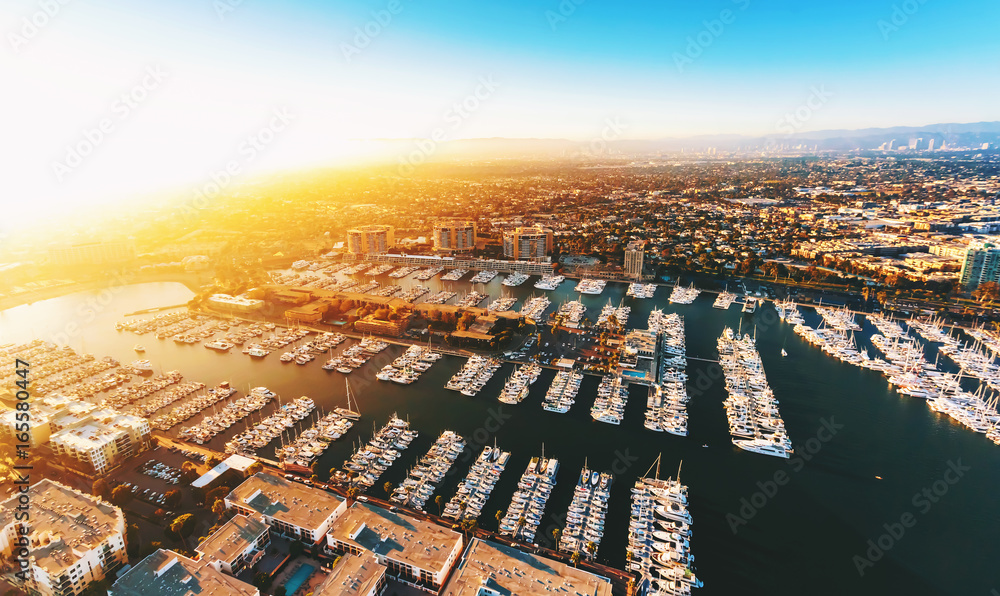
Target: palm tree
591,547
468,525
556,533
499,515
388,488
575,558
352,493
439,499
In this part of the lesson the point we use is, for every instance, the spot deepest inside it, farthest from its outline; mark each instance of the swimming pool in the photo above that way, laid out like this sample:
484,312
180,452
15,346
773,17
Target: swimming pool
634,373
298,578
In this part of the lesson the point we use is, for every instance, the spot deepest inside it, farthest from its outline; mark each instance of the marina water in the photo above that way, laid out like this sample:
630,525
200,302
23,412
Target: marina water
761,524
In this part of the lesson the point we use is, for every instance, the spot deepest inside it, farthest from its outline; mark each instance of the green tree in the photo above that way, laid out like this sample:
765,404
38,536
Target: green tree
219,507
439,500
575,558
101,489
388,488
255,468
121,495
183,526
172,498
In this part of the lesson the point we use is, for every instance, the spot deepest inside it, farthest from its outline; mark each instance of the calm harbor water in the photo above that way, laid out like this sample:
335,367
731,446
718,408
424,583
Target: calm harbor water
798,538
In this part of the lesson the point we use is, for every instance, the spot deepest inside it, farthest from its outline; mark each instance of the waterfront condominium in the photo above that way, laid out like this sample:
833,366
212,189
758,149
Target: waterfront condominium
370,240
74,540
982,264
633,259
454,237
527,243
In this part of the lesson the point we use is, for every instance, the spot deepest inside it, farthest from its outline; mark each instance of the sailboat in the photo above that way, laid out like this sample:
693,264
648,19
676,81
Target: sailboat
348,412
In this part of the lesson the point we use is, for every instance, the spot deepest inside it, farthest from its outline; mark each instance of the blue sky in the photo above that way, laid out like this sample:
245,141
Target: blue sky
560,68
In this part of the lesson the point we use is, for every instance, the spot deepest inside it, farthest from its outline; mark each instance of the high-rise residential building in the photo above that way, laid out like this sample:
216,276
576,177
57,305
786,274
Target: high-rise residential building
527,244
633,259
102,440
71,540
982,264
454,237
370,240
930,145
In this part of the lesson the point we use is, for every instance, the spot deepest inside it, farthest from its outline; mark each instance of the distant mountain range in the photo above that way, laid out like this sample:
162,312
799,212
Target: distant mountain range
970,135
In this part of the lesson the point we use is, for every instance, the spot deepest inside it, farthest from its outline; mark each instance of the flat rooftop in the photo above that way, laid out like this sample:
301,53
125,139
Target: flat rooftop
509,571
290,502
404,539
352,576
232,538
63,520
166,573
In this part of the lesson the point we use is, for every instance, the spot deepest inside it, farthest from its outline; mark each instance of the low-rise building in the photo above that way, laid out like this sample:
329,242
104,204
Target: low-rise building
354,575
168,573
492,569
290,508
238,544
415,551
235,303
70,540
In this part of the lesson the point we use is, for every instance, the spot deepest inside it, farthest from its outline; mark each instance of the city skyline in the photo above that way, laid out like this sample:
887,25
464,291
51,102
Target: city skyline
183,90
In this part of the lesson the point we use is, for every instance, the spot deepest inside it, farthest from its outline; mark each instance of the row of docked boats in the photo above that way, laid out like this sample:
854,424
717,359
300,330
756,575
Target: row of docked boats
411,295
454,275
535,307
471,299
840,319
637,290
571,313
408,367
682,295
387,291
355,356
788,311
192,408
379,270
150,406
590,286
549,282
562,391
752,408
612,396
659,549
131,394
357,269
419,485
368,463
308,445
724,300
232,413
403,272
614,316
585,516
516,388
528,503
440,297
473,376
475,489
270,428
515,279
666,405
425,274
484,276
501,304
